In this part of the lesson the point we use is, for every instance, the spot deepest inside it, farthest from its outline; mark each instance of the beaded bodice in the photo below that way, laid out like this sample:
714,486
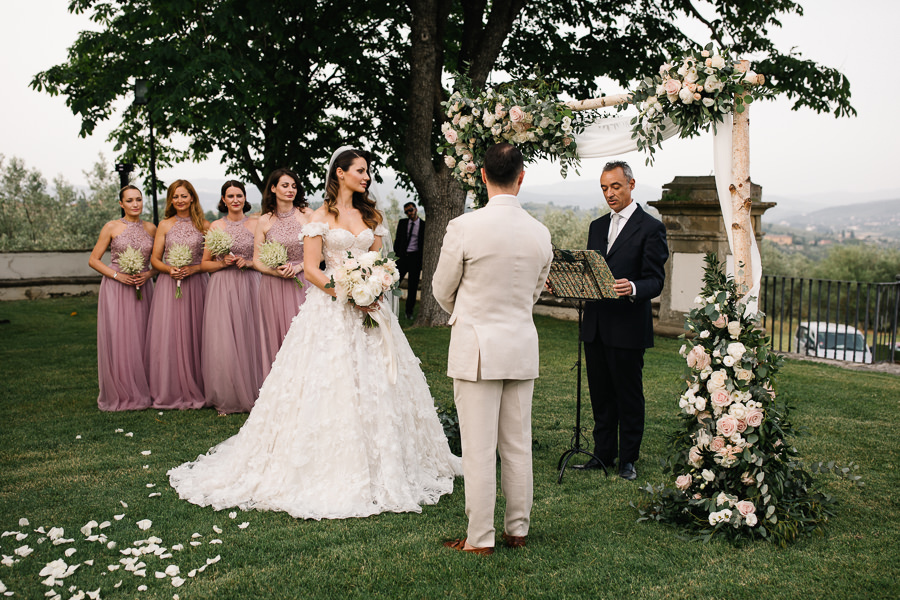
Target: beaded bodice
134,236
338,242
286,230
183,232
242,239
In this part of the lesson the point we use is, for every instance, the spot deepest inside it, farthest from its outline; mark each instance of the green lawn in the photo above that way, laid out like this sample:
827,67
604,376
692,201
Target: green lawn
584,542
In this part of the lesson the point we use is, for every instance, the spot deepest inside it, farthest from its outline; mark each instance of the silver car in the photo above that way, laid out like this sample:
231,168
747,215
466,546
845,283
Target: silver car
832,340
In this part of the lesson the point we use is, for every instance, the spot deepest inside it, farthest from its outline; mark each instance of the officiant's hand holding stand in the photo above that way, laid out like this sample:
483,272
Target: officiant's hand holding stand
579,276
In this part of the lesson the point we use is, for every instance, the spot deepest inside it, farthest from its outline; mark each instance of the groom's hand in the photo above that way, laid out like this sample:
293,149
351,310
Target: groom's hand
622,287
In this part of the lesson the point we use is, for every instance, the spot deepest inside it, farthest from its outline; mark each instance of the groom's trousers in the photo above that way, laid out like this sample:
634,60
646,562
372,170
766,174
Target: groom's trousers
495,415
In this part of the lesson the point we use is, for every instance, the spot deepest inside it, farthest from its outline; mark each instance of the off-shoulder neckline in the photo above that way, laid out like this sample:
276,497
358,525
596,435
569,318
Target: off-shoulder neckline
356,235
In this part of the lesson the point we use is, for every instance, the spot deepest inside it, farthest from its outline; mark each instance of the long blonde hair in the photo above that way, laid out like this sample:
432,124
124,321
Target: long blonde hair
196,212
361,200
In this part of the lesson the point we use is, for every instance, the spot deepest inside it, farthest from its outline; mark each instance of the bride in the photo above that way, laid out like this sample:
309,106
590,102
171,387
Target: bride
345,425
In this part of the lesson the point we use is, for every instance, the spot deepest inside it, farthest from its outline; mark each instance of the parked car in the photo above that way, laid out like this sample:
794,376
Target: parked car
832,340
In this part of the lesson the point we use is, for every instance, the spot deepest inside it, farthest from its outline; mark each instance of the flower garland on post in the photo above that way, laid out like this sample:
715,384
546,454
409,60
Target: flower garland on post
736,473
695,92
527,114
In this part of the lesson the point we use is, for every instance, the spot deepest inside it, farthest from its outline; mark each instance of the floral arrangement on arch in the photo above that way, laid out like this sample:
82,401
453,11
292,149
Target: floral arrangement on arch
736,473
695,92
527,114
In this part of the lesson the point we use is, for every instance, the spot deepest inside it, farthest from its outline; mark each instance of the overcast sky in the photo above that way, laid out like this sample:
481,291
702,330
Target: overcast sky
793,154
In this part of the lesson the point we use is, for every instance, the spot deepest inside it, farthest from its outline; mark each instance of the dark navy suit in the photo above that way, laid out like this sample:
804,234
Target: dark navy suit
617,331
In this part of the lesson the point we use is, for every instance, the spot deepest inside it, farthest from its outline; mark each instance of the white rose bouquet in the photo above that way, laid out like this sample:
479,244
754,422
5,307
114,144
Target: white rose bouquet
273,254
131,262
364,280
179,255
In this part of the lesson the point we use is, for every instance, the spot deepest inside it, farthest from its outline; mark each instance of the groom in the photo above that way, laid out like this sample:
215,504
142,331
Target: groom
492,268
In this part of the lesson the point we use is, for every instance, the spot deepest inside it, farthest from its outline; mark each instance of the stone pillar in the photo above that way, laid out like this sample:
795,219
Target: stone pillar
690,210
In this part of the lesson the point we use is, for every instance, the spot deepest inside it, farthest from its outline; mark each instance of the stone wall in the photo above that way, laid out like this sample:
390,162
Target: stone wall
30,275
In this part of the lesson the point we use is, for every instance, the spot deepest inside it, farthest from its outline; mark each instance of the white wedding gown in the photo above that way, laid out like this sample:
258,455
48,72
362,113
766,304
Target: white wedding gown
330,436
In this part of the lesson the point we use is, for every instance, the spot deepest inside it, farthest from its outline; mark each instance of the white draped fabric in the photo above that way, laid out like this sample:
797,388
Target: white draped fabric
611,136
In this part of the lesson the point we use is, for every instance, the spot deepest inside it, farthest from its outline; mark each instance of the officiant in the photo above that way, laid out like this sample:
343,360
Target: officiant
617,331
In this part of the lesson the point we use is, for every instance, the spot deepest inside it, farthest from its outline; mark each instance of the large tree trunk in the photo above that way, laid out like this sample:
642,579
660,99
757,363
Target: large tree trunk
439,193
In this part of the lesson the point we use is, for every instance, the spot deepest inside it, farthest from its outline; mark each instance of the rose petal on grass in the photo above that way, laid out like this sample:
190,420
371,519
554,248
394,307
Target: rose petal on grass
217,541
141,573
119,517
7,561
154,495
118,584
55,532
123,504
192,572
144,524
232,515
196,535
113,567
217,529
70,551
244,525
178,547
120,430
212,561
160,575
177,582
23,522
21,536
111,545
95,595
89,563
129,434
86,530
172,570
77,437
151,485
142,588
23,551
105,524
146,452
146,466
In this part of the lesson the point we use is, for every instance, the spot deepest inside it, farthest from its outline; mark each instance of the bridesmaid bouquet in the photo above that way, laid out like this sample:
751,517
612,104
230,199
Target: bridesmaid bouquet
131,262
180,255
218,242
273,254
364,280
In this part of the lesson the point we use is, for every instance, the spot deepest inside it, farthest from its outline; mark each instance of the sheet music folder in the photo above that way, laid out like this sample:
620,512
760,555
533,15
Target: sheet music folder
580,275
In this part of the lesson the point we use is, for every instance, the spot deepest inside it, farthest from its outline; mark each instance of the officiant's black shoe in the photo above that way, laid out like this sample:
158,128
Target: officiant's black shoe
627,471
589,465
461,546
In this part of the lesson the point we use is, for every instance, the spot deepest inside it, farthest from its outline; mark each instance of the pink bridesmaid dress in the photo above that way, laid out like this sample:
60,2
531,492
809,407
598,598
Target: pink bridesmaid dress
232,363
175,329
279,298
122,329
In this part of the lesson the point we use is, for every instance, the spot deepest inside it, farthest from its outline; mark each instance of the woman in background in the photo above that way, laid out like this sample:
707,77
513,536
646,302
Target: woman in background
284,213
123,307
232,366
176,316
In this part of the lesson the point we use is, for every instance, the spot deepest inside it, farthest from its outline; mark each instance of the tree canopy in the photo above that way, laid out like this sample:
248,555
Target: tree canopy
284,83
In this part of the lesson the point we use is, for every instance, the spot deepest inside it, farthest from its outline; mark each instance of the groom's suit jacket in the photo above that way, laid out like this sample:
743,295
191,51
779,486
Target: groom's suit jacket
492,268
638,253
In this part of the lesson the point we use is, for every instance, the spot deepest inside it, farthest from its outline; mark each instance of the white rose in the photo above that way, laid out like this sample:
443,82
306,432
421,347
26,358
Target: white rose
489,119
734,329
717,62
707,475
751,520
728,361
736,350
691,76
707,102
450,161
717,380
362,295
704,334
686,95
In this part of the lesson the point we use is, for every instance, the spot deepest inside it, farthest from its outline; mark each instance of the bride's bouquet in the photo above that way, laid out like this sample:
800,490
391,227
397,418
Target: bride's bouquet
273,254
180,255
364,280
131,262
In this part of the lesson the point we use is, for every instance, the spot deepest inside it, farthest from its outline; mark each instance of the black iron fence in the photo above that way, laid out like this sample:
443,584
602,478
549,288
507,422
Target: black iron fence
843,320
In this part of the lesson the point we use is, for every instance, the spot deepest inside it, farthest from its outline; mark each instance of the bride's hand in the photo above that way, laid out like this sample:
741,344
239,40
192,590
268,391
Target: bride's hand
370,308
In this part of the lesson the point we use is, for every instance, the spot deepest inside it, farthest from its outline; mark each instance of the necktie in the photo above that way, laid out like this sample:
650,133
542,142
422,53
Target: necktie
613,229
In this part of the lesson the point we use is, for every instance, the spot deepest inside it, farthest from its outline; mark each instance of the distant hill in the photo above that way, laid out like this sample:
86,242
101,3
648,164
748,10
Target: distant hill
877,219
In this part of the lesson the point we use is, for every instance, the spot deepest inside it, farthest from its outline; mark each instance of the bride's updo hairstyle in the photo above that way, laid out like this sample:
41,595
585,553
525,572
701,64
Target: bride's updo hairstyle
269,203
361,201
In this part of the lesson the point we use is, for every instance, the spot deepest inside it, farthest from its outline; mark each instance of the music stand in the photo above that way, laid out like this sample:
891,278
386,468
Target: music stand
579,275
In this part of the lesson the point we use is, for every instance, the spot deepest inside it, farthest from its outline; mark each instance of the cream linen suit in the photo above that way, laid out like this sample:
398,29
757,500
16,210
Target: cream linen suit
492,268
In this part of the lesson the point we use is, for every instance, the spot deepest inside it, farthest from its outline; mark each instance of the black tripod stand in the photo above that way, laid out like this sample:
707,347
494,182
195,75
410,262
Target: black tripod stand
579,275
577,432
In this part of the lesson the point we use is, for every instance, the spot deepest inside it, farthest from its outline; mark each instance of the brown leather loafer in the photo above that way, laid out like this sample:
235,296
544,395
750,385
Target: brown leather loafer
461,545
514,541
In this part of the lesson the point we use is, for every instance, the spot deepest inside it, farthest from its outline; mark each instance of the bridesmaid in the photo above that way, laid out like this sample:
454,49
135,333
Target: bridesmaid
232,365
121,317
173,343
284,213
